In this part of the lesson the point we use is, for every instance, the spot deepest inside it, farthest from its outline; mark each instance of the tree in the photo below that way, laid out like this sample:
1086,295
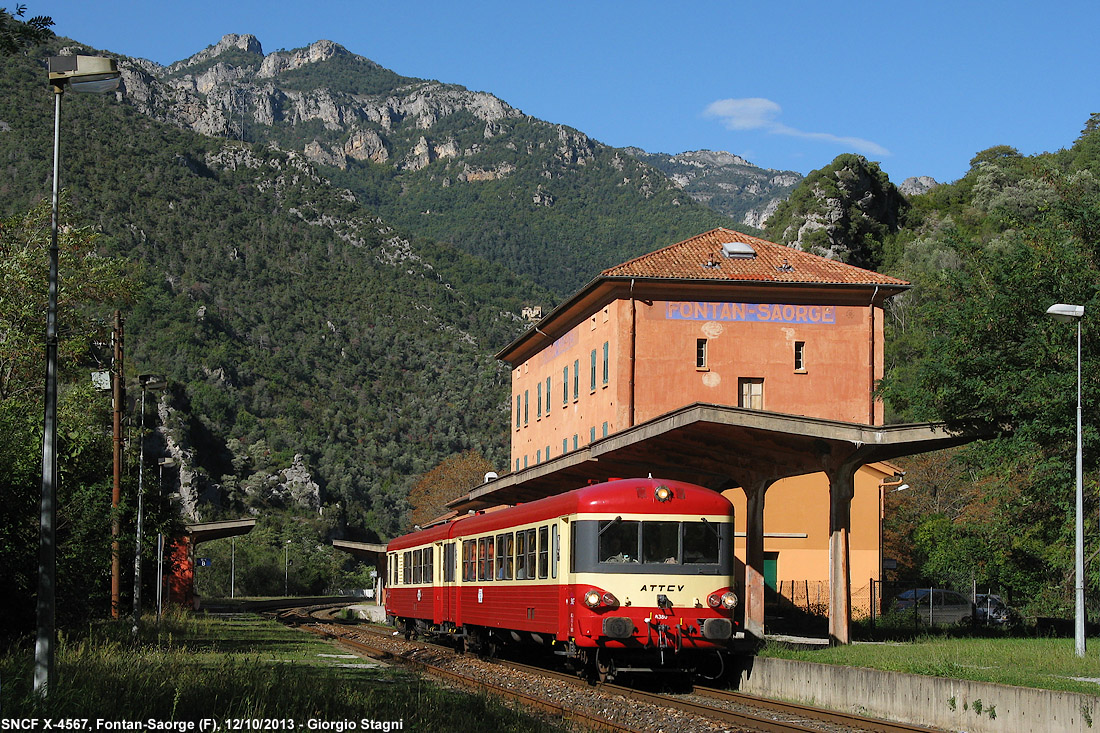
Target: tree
1019,236
86,280
16,35
453,477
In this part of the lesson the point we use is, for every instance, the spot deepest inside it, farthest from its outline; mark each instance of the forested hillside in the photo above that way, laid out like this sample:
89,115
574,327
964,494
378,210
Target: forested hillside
281,309
436,160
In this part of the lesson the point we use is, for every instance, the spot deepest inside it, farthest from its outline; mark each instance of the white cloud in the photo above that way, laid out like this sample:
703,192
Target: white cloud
757,113
744,114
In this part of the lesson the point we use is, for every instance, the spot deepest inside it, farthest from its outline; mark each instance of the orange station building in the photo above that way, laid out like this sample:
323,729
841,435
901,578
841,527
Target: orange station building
728,319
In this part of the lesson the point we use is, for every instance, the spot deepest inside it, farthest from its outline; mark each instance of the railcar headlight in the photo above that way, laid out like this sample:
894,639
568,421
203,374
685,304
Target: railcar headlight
663,494
727,600
609,600
592,598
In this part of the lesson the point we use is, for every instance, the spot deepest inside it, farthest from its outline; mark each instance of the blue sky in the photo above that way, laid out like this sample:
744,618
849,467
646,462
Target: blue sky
919,87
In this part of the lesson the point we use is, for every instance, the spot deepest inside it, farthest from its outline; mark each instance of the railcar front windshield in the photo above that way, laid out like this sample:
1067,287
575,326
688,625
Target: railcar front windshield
651,546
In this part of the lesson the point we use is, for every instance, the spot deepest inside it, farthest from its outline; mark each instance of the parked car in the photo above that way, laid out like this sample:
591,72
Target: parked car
990,609
936,606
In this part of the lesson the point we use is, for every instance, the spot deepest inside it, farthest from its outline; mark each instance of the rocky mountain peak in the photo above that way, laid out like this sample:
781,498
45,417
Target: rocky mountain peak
711,158
229,42
916,185
725,182
280,61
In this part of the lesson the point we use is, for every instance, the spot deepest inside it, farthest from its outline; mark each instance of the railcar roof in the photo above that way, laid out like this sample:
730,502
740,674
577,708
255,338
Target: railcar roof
621,496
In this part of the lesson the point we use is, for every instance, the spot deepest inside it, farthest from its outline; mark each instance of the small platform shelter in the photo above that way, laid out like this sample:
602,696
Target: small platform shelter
181,581
374,552
723,448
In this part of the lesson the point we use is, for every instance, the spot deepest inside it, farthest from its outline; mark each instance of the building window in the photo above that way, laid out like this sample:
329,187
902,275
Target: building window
605,429
606,368
564,446
526,405
593,370
565,386
519,405
538,456
592,434
575,438
548,453
525,461
700,353
751,393
517,464
548,395
538,396
576,379
800,356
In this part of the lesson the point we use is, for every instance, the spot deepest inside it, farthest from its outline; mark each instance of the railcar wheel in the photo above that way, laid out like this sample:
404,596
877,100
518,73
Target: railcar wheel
713,668
605,666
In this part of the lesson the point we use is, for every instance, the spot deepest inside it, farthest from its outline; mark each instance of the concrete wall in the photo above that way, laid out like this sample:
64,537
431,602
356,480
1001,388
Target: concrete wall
957,705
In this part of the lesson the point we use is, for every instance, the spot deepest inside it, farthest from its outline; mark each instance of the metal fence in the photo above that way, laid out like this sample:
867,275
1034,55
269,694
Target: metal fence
870,601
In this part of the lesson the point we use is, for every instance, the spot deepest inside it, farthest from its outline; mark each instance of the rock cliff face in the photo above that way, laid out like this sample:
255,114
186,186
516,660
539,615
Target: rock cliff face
916,185
725,182
233,90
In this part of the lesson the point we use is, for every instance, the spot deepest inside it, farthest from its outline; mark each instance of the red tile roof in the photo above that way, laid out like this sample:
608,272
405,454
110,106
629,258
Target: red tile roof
701,258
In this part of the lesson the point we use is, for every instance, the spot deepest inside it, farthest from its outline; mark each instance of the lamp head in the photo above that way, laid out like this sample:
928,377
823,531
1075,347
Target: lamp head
1065,312
92,74
152,381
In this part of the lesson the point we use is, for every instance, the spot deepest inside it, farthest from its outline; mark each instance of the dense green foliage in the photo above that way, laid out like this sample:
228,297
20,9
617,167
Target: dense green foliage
972,344
852,208
15,35
285,552
90,284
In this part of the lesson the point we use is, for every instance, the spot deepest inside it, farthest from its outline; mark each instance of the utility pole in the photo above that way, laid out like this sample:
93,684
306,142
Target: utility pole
116,487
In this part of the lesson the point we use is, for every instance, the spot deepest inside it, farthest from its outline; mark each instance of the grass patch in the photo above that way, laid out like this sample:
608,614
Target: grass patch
1043,663
240,666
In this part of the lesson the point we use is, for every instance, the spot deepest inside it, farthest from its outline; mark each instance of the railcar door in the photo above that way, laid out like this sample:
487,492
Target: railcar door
436,579
560,561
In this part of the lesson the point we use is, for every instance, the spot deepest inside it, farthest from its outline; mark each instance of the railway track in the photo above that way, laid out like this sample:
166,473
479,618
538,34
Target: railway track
606,707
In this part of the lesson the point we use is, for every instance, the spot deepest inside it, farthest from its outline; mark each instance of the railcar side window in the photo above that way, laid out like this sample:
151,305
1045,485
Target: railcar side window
485,558
504,556
531,552
408,568
544,551
700,543
418,565
521,555
429,564
618,541
661,542
469,560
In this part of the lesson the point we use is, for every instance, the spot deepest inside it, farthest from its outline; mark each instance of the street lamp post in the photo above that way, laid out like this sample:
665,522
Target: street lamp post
81,74
286,568
1067,313
148,381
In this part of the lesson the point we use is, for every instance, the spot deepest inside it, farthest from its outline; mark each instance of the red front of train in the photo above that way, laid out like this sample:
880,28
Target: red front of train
629,575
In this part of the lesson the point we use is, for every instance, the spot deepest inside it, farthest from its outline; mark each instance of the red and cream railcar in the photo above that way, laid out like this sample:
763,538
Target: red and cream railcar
628,575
